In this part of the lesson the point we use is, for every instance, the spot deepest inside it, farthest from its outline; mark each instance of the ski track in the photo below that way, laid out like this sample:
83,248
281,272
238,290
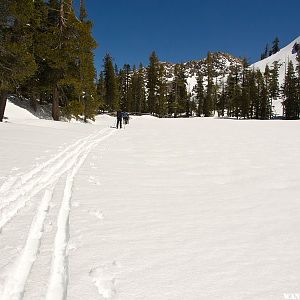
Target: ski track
16,279
44,177
18,182
57,288
24,189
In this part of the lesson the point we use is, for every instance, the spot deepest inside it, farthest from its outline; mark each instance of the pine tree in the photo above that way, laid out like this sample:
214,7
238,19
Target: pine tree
253,95
267,77
207,105
245,90
200,94
233,92
112,103
87,72
290,104
141,91
17,62
101,91
298,78
265,54
162,104
125,91
275,46
152,81
182,98
274,84
262,102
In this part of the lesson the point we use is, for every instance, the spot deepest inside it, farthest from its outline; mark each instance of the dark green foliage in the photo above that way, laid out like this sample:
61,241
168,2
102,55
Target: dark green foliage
199,89
275,46
152,81
291,102
111,98
161,105
125,90
17,62
208,100
178,96
49,53
265,54
137,91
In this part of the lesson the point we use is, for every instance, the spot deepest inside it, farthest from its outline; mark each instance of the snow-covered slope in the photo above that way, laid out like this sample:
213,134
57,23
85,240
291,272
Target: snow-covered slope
282,57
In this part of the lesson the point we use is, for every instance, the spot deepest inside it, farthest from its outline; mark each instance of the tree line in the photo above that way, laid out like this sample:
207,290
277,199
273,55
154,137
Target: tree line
244,92
46,55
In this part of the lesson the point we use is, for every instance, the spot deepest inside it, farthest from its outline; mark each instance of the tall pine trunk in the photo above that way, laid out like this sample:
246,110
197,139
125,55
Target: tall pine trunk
55,105
3,100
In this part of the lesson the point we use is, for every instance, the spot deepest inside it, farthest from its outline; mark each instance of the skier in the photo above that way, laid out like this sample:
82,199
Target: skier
119,119
126,117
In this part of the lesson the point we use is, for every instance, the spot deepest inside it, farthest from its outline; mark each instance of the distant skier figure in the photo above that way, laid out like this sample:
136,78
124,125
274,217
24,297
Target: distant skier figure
126,117
119,119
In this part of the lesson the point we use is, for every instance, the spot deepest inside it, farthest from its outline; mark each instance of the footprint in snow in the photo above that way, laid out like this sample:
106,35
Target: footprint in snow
76,204
104,279
71,247
48,227
94,180
96,213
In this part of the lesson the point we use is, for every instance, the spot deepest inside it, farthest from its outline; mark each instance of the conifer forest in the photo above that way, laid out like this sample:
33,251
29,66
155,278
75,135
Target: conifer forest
47,56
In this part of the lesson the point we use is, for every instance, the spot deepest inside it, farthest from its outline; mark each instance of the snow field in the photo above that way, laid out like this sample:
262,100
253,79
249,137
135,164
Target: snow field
165,209
16,191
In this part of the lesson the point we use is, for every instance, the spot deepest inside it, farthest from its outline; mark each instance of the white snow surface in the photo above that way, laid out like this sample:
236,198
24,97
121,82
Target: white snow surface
197,208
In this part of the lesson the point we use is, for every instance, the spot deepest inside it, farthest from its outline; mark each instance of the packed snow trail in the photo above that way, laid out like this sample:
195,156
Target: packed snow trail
45,175
16,192
15,284
59,274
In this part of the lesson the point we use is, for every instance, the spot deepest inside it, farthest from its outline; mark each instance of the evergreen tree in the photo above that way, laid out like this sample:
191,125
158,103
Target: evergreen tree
207,105
125,91
290,104
162,104
275,46
101,91
200,94
298,77
265,54
17,62
262,103
274,84
152,81
245,90
111,88
253,95
87,72
233,92
141,91
182,98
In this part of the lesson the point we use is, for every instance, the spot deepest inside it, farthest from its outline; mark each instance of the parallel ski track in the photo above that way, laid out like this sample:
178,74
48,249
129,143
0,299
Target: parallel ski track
17,278
42,177
36,180
57,288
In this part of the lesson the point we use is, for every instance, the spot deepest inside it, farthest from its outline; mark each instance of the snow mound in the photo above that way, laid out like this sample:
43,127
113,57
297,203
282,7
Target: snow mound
15,112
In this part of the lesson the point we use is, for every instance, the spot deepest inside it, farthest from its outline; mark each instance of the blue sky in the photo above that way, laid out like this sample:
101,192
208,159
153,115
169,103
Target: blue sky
184,30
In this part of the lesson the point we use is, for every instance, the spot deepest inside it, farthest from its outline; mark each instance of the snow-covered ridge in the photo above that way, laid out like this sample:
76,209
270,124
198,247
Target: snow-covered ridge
285,55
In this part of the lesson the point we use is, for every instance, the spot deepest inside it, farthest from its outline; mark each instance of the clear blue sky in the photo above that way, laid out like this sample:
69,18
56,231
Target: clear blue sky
181,30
